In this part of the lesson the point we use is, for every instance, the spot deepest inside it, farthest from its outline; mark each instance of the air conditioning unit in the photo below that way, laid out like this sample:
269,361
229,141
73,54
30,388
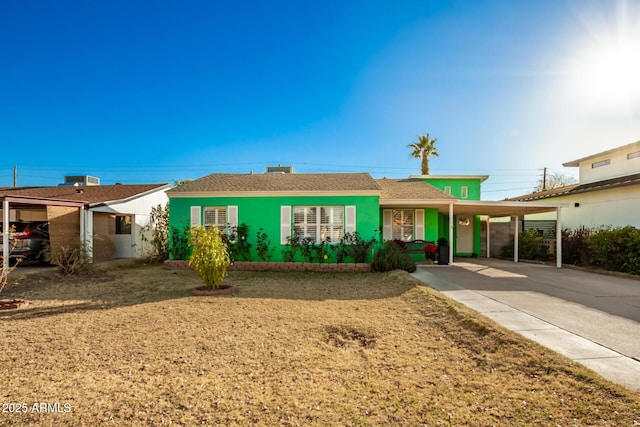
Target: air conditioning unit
81,180
279,169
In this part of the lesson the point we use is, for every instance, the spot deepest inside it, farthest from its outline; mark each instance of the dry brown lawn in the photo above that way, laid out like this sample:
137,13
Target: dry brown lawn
131,346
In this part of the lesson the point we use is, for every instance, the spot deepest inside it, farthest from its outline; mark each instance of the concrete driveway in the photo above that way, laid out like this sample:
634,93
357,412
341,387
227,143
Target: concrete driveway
593,319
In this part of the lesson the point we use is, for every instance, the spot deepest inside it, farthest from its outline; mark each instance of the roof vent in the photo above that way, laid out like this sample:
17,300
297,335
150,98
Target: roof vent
279,169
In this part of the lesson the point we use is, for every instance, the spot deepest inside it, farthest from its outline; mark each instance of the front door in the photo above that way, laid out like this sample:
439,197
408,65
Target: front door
124,236
464,234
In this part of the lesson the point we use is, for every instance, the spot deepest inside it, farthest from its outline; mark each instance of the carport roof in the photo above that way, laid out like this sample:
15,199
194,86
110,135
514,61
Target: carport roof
80,195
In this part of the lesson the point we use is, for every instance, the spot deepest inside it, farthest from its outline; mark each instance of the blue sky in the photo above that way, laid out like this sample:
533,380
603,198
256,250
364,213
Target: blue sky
146,92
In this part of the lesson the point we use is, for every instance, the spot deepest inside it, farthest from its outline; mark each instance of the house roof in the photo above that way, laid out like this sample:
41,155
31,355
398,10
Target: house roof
537,195
632,146
410,189
89,194
605,184
246,184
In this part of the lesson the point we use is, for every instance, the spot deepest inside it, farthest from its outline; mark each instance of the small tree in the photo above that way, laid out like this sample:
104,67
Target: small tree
551,180
156,232
4,272
209,256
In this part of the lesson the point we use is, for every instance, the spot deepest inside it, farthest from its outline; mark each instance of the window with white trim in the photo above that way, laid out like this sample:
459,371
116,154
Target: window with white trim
403,220
464,192
321,223
447,189
634,155
215,216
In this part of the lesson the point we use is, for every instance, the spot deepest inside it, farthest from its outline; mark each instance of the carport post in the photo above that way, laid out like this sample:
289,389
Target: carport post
515,238
488,237
451,232
558,239
5,237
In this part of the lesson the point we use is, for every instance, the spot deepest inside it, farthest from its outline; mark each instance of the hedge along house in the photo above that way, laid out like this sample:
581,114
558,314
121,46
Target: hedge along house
320,206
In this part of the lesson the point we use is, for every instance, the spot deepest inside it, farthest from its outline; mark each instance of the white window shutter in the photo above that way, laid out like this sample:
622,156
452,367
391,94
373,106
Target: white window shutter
232,216
350,219
285,224
419,226
387,224
195,216
232,220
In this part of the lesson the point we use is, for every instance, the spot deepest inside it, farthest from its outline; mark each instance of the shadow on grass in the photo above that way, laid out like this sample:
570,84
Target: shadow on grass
122,285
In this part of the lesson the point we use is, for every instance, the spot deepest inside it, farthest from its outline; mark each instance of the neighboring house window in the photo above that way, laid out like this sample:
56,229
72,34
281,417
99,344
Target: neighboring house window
215,216
321,223
600,163
633,155
447,189
464,192
403,224
123,224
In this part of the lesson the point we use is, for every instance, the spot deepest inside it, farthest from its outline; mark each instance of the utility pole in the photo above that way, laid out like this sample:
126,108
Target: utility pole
15,176
544,179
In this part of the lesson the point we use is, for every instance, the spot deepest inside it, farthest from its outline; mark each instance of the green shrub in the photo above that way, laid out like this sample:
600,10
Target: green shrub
180,243
209,256
574,246
321,251
237,243
392,257
294,246
263,246
616,248
356,247
530,246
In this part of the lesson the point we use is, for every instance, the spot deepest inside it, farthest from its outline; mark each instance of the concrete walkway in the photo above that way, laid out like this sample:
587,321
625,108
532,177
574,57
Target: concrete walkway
520,297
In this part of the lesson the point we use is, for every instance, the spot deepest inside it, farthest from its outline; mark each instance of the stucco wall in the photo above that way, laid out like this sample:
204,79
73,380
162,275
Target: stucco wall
140,208
616,207
264,212
619,166
104,231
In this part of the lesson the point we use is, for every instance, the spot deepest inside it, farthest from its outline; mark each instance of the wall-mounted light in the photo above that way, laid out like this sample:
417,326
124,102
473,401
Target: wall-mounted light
576,204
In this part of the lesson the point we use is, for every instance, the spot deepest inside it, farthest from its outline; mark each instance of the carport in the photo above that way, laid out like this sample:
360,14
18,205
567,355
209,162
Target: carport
507,209
57,211
498,209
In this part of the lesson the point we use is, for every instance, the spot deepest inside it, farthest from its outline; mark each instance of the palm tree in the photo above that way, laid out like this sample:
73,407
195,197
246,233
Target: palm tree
422,149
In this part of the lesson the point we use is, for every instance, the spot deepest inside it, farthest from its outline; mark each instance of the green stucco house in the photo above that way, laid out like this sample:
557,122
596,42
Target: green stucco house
326,206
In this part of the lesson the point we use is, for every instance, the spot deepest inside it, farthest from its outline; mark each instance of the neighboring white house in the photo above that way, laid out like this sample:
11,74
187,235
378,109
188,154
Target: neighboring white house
108,219
608,192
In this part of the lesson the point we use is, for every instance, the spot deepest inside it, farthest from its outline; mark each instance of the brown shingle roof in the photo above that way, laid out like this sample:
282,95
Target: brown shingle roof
622,181
89,194
331,182
410,189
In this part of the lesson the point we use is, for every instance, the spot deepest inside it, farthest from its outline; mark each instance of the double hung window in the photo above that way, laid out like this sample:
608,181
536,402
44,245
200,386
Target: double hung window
320,223
403,221
215,216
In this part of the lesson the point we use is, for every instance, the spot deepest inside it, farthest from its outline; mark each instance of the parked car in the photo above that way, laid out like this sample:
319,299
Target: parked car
27,241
